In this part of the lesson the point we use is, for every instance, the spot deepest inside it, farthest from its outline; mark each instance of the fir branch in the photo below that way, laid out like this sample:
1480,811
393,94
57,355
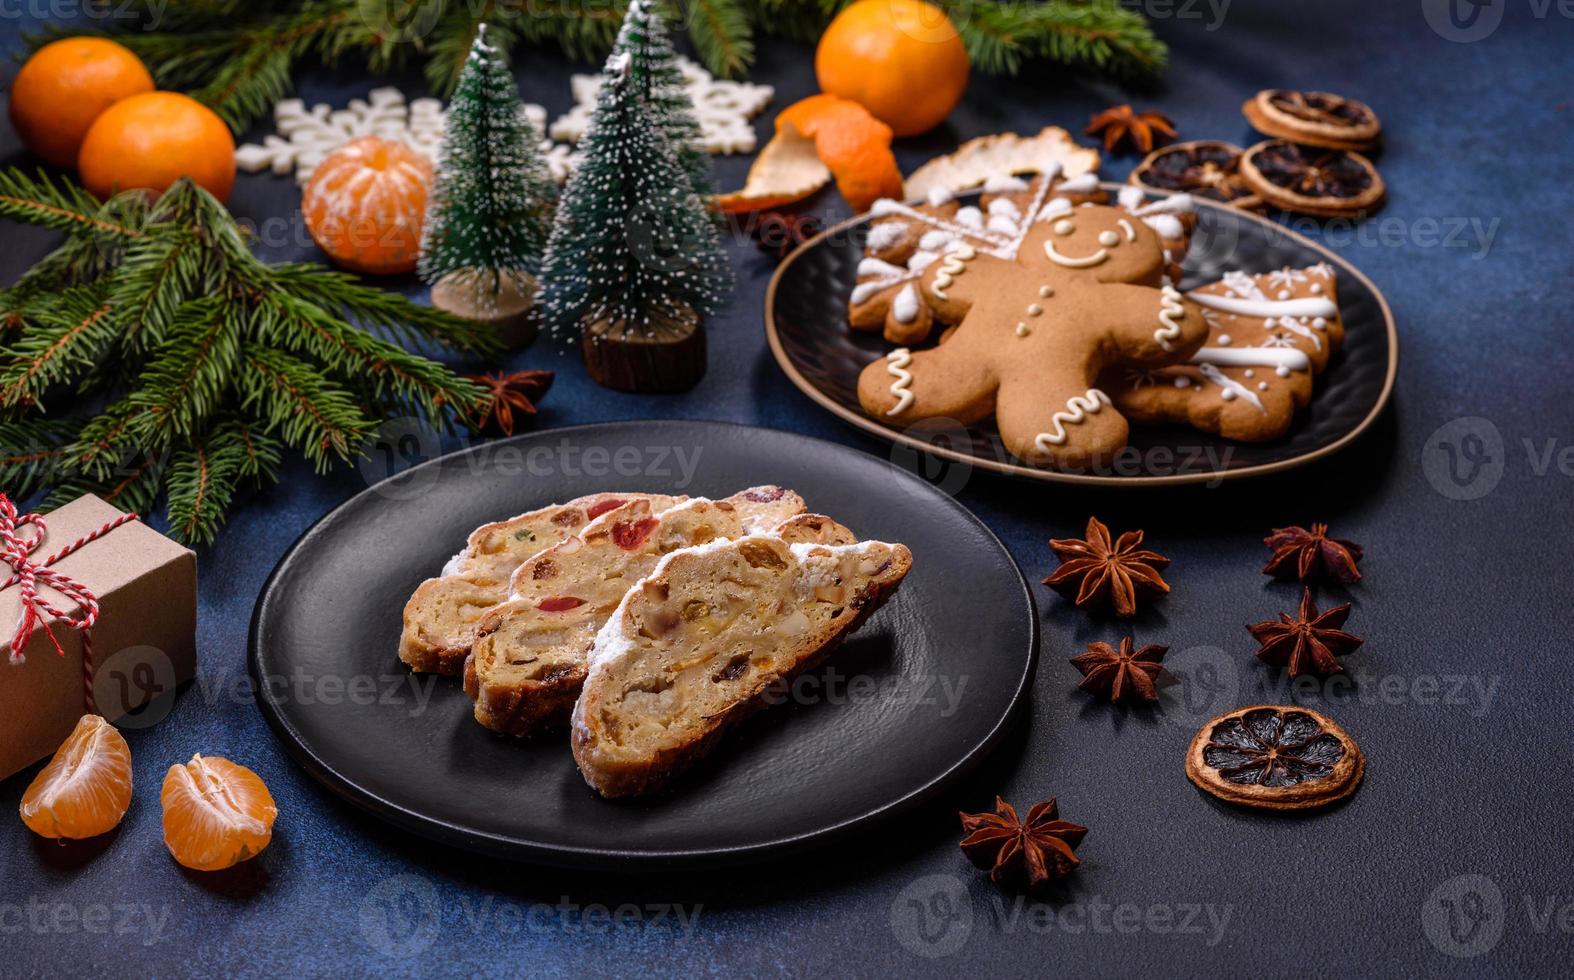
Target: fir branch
406,321
403,381
307,409
722,34
132,486
452,40
203,478
187,376
203,350
155,275
101,445
60,206
1001,34
33,453
65,341
237,56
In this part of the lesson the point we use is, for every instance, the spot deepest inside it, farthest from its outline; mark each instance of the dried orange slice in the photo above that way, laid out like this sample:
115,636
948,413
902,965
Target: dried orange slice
1275,757
816,139
86,788
216,813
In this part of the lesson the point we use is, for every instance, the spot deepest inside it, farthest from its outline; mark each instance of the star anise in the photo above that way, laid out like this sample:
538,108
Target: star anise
1022,853
1312,556
1121,124
1121,674
1309,644
780,234
515,391
1114,575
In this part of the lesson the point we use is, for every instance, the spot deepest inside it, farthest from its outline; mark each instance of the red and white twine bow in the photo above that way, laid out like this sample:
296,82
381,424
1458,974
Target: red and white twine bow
16,551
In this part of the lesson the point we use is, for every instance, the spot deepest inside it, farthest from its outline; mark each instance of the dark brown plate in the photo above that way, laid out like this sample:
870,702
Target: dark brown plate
806,322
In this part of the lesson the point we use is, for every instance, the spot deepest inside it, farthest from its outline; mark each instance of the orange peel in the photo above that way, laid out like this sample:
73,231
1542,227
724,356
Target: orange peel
819,139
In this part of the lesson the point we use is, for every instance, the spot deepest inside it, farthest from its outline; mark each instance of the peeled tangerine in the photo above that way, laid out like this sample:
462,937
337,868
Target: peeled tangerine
216,813
86,788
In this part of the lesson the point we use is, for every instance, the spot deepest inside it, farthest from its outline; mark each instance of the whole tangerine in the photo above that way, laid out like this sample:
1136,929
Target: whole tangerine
149,141
903,60
366,204
65,86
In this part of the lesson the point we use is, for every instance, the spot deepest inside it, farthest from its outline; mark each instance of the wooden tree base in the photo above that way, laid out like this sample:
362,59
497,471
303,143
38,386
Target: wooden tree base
667,358
510,312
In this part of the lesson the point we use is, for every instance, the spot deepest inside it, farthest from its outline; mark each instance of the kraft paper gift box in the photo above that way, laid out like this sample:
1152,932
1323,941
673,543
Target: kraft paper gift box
144,642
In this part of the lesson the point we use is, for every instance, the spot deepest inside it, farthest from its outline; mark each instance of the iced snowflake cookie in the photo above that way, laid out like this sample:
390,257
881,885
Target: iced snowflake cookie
528,659
1081,288
440,618
1269,335
704,641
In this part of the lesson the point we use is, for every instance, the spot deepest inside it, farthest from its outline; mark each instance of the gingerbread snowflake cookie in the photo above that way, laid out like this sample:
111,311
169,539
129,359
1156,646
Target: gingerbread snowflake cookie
1269,335
1075,289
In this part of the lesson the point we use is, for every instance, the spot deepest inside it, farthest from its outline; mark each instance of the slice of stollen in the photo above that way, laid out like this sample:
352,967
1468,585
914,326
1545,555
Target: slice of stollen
528,659
440,617
700,643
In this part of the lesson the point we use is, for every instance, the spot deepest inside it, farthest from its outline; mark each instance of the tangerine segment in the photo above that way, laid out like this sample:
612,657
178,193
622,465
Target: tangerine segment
216,813
86,787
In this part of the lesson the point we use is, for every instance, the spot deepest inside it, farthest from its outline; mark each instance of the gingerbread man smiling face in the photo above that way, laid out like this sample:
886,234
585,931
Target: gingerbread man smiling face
1085,290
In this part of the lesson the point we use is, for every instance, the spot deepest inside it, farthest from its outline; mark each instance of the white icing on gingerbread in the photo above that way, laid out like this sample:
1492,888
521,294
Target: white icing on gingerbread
1231,388
1286,357
1004,183
1170,312
1078,407
1309,306
905,307
872,266
1082,184
885,235
896,364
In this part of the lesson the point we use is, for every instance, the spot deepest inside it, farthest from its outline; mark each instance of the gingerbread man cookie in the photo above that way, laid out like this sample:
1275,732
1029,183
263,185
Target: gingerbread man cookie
905,240
1268,336
1082,289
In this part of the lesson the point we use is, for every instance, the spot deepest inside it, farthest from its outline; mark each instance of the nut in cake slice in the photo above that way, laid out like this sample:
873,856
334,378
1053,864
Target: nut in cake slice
528,659
698,645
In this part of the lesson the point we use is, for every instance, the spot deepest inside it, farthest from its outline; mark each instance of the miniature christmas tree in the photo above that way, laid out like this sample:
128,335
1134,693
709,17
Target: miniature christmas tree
489,215
655,75
634,260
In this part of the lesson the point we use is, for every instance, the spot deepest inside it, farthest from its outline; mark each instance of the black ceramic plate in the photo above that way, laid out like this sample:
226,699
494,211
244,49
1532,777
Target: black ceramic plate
806,321
911,701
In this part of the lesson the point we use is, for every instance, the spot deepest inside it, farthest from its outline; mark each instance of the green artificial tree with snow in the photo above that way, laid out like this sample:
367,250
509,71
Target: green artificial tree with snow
655,75
634,261
489,214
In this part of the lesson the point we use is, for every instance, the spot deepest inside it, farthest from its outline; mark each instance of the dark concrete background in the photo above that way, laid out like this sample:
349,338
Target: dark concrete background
1463,684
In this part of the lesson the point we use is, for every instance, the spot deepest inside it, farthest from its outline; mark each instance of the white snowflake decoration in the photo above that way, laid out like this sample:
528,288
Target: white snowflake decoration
306,136
722,108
